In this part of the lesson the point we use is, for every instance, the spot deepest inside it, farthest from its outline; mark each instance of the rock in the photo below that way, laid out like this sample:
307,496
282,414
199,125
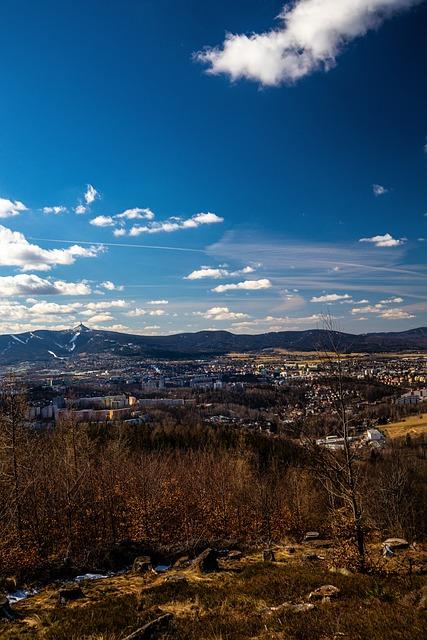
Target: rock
207,561
142,564
396,543
154,630
341,570
311,535
6,611
268,555
69,593
234,555
176,580
327,591
183,561
290,549
310,557
10,584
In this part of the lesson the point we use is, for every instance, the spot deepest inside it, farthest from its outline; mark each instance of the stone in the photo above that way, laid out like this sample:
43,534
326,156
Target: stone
207,561
69,594
6,611
176,580
155,630
396,543
310,557
183,561
142,564
234,555
311,535
325,593
268,555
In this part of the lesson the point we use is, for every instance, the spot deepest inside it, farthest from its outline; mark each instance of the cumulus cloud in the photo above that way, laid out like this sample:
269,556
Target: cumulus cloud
386,240
110,286
397,300
379,190
246,285
102,221
395,314
56,209
91,194
331,297
176,224
10,208
310,36
136,313
216,273
31,284
220,313
80,209
16,251
382,311
135,214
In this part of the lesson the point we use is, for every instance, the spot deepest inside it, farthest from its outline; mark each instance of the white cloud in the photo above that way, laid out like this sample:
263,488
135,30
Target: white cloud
110,286
56,209
331,297
16,251
247,285
100,317
91,194
102,221
80,209
10,208
136,214
311,35
176,224
384,241
157,312
136,313
216,273
391,301
158,302
220,313
395,314
31,284
119,232
379,190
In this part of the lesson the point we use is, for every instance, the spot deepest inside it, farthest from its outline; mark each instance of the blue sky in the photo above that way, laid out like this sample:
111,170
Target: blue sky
157,176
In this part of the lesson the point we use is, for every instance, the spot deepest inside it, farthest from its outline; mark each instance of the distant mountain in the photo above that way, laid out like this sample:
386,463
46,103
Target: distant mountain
46,345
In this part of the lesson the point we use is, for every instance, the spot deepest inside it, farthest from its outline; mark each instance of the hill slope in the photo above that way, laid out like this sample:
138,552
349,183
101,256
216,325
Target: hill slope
45,345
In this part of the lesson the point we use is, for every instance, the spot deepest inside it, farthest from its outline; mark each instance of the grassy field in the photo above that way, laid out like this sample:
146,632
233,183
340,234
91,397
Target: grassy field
240,602
414,425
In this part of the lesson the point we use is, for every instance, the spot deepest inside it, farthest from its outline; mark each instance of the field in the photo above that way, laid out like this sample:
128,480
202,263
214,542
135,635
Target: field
412,425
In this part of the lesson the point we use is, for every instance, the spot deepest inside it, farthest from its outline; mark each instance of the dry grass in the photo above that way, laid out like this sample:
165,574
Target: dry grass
230,605
412,425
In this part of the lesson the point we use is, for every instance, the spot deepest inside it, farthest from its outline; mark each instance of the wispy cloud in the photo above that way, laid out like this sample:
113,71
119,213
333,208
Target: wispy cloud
57,209
331,297
311,35
91,194
379,190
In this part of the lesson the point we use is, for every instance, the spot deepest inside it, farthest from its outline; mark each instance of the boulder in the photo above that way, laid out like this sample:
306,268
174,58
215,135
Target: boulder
155,630
142,564
327,591
268,555
396,543
70,593
6,611
207,561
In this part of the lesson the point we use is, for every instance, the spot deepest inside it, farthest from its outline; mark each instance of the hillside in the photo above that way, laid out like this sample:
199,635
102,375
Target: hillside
45,345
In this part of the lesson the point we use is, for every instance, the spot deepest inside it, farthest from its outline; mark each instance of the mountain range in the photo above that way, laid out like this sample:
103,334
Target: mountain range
48,345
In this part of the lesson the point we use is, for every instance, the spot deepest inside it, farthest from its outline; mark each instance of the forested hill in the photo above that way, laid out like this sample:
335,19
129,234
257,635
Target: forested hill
44,345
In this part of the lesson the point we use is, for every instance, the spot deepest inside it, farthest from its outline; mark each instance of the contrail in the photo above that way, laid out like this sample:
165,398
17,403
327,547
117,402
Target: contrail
119,244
